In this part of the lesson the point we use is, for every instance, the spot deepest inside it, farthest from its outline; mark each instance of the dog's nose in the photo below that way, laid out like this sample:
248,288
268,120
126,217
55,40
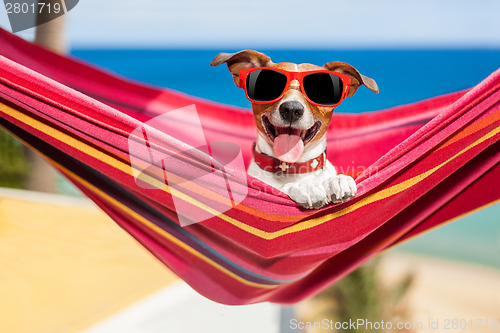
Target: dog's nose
291,111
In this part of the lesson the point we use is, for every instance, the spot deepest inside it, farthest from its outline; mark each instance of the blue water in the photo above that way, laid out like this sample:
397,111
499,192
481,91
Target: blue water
403,76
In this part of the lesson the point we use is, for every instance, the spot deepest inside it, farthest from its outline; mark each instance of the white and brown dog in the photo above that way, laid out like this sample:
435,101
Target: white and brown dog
289,153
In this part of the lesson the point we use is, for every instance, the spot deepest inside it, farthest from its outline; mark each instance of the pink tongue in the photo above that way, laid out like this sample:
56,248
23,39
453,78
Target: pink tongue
288,148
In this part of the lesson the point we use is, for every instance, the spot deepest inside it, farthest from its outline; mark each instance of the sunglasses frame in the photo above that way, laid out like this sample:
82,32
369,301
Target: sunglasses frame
299,76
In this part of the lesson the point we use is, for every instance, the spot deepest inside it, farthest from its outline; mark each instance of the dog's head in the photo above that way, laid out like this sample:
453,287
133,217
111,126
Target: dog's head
292,123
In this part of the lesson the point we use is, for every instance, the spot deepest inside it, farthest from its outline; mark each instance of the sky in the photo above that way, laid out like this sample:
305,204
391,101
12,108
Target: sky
282,24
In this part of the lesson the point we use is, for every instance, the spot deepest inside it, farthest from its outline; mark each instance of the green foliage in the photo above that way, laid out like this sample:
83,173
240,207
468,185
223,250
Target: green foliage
361,295
13,166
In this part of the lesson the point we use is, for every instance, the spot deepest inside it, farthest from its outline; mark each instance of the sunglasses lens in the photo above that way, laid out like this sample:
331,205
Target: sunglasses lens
323,88
265,85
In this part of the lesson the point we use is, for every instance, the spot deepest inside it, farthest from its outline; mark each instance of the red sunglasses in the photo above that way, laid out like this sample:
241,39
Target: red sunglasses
264,85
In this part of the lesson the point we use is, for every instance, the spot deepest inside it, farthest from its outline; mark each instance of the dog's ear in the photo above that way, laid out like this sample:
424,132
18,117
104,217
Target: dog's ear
241,60
357,79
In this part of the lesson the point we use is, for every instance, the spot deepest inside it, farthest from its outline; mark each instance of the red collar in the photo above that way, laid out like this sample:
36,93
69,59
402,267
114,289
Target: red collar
272,164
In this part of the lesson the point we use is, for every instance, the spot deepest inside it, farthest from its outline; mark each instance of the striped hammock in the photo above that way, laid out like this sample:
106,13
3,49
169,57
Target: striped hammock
138,153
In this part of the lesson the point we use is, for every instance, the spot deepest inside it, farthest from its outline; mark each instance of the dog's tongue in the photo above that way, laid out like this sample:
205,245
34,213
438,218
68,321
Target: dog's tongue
288,147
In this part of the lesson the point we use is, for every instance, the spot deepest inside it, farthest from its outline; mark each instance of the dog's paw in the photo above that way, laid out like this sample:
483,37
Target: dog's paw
335,189
340,188
307,195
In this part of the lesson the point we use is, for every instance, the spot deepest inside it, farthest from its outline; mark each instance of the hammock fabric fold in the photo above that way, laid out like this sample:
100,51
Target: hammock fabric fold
417,166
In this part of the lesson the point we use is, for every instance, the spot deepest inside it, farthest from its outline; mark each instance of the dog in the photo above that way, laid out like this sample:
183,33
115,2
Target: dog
290,149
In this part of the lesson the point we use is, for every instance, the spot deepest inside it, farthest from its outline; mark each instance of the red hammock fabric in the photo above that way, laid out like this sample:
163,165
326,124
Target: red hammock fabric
416,166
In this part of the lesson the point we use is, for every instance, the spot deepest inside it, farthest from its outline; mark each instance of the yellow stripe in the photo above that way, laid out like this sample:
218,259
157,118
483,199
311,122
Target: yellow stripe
152,226
252,230
163,233
160,231
69,140
123,167
471,129
388,192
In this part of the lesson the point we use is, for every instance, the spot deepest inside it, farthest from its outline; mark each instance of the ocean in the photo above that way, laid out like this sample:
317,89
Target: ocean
403,76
